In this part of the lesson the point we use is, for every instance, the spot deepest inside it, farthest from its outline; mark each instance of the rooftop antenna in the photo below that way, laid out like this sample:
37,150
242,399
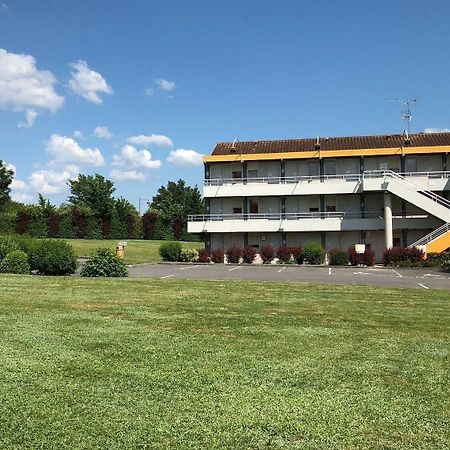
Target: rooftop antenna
406,113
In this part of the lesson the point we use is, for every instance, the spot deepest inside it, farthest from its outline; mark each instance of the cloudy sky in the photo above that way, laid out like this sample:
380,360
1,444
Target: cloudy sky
139,90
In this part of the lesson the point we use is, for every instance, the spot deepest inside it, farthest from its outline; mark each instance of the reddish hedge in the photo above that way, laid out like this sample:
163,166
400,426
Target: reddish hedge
203,255
403,256
234,255
267,253
248,254
217,255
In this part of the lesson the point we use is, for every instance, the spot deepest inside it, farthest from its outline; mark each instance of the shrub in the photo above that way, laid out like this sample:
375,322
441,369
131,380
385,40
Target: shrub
367,258
51,257
8,244
234,255
313,253
433,259
170,251
203,255
445,262
248,254
15,262
189,255
149,223
217,255
284,254
403,256
338,257
22,222
267,253
104,263
53,225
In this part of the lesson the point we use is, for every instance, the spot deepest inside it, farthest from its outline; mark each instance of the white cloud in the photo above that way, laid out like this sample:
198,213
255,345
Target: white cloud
66,150
30,115
78,134
436,130
131,157
18,185
21,197
127,175
165,85
103,132
23,87
10,167
155,139
51,181
88,83
182,158
149,91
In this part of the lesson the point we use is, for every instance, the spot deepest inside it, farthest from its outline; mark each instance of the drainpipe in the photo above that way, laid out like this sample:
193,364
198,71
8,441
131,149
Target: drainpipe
389,240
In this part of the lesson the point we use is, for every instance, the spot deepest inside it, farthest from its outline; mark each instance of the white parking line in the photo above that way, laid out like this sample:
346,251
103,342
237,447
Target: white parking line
420,284
329,270
396,273
189,267
281,270
167,276
234,268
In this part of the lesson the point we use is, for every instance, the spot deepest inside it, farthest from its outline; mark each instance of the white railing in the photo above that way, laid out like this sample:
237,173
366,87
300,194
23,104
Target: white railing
431,236
413,186
344,177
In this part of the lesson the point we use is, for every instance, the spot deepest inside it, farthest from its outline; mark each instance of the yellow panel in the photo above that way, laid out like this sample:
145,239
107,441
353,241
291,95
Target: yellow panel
440,244
327,154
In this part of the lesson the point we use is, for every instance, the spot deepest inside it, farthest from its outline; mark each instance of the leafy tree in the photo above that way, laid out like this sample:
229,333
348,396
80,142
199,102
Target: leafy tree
94,193
6,177
174,203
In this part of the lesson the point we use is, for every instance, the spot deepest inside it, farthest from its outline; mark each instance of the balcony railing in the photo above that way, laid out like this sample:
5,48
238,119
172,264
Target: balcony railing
349,177
299,216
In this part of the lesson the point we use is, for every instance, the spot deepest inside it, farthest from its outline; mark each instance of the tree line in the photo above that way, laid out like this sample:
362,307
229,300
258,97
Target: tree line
92,212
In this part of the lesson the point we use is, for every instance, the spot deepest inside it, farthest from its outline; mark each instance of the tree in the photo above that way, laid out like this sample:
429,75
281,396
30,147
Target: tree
6,177
174,204
94,193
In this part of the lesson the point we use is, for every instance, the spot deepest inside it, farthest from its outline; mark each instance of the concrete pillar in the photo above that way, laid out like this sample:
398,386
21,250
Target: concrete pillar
283,239
207,171
282,170
388,220
283,207
245,239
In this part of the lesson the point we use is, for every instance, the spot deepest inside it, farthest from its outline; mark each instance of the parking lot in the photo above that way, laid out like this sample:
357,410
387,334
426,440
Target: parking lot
425,278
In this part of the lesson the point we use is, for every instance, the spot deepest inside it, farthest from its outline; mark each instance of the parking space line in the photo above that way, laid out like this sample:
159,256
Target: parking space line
234,268
396,273
425,287
329,270
167,276
281,270
189,267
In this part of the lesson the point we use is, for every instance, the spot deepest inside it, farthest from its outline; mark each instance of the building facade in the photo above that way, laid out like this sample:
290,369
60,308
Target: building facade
383,191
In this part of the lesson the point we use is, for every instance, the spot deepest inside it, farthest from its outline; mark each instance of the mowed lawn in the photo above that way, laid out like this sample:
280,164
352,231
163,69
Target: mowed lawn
104,363
137,250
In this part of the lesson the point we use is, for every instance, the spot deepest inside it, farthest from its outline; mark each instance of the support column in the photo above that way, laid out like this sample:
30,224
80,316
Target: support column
404,238
245,207
283,239
282,170
362,204
207,206
403,164
244,171
245,239
321,203
362,236
323,241
389,239
361,165
207,171
208,242
283,207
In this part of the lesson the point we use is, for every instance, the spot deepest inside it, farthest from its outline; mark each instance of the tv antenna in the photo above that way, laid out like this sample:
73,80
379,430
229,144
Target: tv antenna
406,113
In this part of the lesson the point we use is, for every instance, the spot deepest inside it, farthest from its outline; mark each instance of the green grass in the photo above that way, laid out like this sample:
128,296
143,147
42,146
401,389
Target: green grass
137,250
108,363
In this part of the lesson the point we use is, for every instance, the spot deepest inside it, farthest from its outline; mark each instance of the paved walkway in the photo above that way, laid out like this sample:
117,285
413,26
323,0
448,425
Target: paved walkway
411,278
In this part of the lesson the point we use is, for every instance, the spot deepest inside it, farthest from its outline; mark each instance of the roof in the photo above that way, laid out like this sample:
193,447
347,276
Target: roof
334,143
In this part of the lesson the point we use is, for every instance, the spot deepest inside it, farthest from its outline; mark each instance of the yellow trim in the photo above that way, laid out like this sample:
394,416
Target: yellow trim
238,157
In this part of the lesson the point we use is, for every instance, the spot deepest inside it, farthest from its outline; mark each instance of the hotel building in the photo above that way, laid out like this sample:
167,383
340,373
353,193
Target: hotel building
383,191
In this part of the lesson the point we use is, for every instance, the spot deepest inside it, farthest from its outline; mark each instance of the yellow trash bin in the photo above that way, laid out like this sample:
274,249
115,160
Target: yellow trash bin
120,251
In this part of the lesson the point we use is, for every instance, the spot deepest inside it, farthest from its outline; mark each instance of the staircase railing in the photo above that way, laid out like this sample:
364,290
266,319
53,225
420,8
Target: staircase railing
416,187
438,232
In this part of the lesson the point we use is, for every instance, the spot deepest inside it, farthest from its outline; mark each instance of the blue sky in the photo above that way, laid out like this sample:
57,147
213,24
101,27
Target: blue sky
175,77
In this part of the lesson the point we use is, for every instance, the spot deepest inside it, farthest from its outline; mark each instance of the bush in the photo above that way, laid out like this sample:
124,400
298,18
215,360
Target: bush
7,244
338,257
433,259
267,254
189,255
170,251
51,257
367,258
313,253
203,255
15,262
284,254
445,262
217,255
248,254
234,255
400,256
104,263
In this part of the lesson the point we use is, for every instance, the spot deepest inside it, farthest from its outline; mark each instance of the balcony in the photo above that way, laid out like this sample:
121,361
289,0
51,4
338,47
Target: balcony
313,185
303,222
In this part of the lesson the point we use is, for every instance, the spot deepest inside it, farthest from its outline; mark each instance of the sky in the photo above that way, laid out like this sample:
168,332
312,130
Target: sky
137,91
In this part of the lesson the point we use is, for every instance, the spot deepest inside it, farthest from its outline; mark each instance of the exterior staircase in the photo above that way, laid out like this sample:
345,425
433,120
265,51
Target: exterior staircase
435,242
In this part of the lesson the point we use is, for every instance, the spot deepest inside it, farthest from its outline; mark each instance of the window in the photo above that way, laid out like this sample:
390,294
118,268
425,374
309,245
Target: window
237,210
411,164
313,209
252,173
253,206
236,174
330,208
330,167
397,242
313,168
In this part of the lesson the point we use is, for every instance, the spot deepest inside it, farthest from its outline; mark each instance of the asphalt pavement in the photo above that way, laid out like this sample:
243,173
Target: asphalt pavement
423,278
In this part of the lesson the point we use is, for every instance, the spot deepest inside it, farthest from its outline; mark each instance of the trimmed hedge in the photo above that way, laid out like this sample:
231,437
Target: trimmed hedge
189,255
170,251
313,253
338,257
217,256
367,258
15,262
203,255
104,263
405,257
267,253
234,255
248,255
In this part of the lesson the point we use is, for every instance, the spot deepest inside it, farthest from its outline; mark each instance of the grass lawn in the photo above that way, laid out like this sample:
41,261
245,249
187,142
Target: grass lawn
98,363
137,250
